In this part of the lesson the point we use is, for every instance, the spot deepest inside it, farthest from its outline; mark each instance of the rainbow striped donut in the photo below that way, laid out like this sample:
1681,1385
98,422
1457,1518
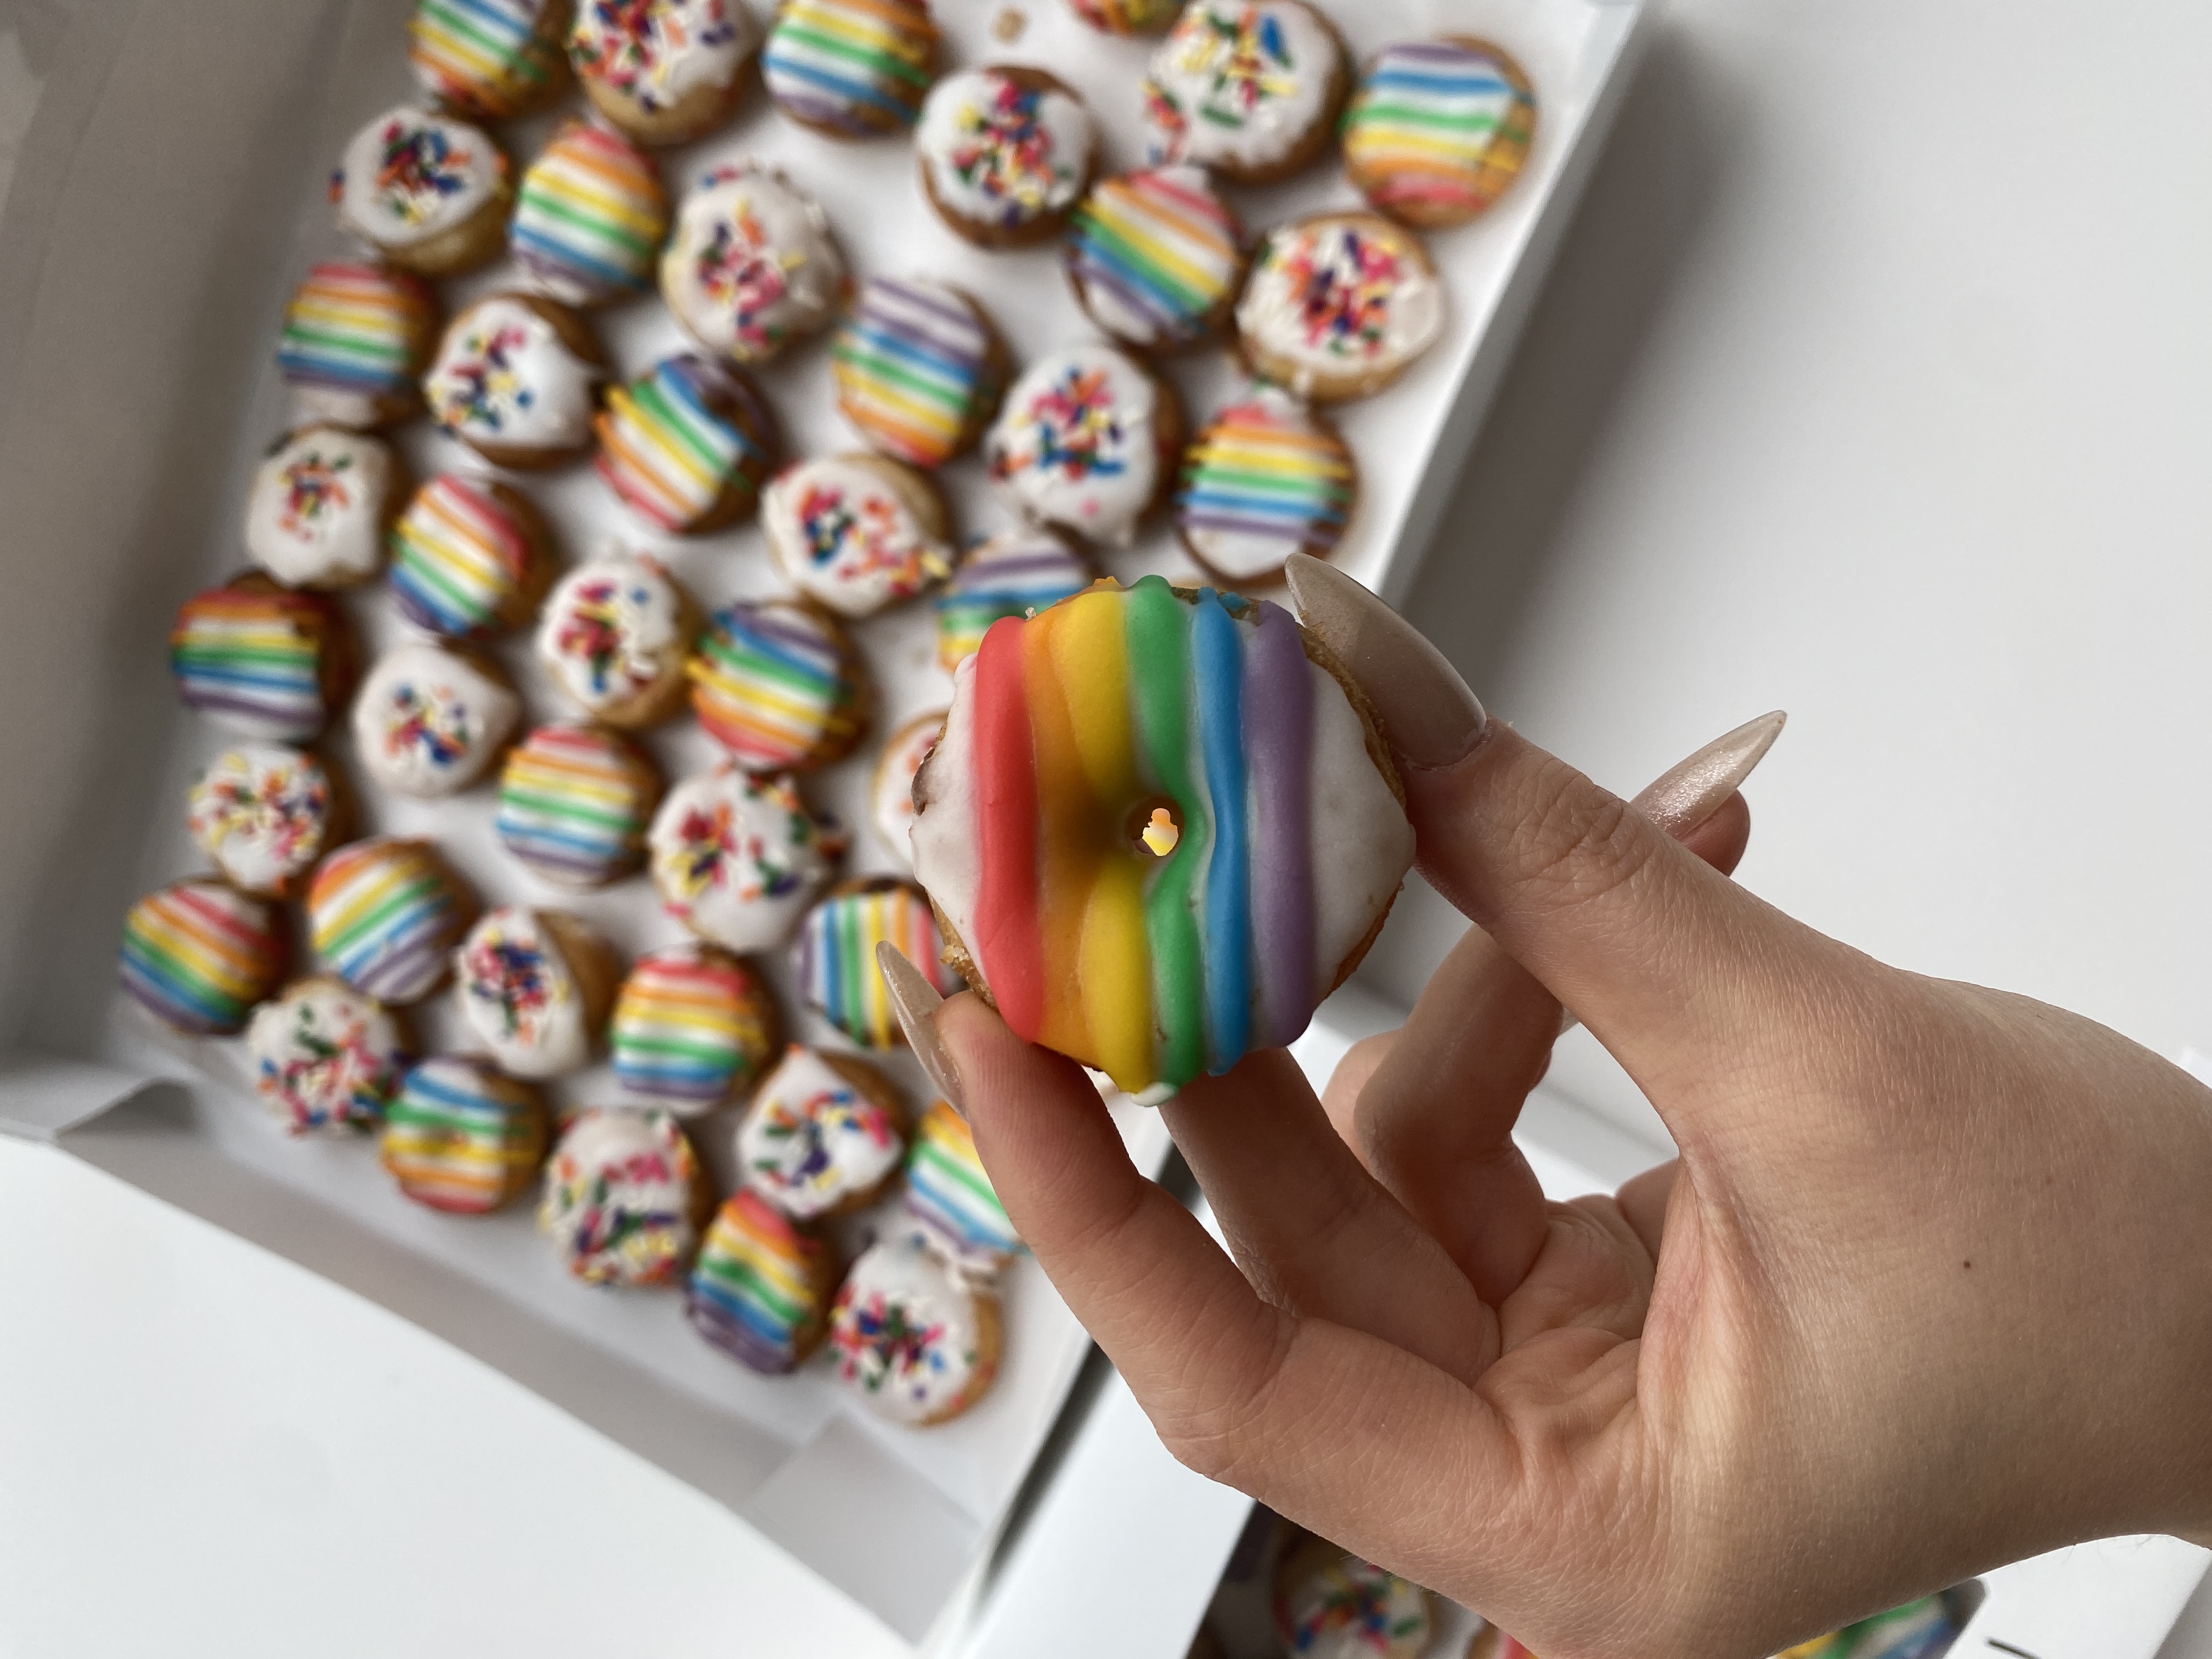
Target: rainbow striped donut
1437,129
918,369
198,955
356,339
1013,574
780,685
462,558
260,660
951,1197
691,1023
835,959
591,218
854,68
1276,841
761,1289
386,915
574,804
1265,481
687,445
462,1137
1155,257
495,57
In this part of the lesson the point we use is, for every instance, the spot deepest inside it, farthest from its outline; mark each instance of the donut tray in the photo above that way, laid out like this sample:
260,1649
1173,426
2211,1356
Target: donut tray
170,192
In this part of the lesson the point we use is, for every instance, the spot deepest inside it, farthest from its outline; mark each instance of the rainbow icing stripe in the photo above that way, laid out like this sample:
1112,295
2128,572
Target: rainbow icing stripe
691,1024
574,804
252,658
857,67
459,558
951,1197
592,217
1127,16
492,56
198,955
835,959
362,330
460,1136
777,685
1437,129
915,368
1015,573
1264,480
386,915
670,453
1156,256
757,1292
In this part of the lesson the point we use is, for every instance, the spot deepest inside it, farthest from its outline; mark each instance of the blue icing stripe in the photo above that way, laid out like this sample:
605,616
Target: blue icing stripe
529,238
776,63
1438,83
676,379
1218,681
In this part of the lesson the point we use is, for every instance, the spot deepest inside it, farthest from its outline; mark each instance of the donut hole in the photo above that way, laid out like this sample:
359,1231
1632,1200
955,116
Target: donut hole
1154,828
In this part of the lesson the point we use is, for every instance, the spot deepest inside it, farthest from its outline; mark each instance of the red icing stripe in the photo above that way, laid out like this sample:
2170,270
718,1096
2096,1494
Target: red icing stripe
1007,943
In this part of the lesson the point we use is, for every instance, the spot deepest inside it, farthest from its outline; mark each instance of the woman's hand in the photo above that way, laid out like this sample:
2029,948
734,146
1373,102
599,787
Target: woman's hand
1929,1288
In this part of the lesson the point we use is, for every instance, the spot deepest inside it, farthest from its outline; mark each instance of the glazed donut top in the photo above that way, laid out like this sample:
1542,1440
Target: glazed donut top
1066,731
257,658
1438,128
916,368
386,914
612,630
906,1332
197,955
1076,443
951,1198
1156,256
751,264
1353,1609
855,66
1013,574
1239,83
428,719
504,376
409,176
459,557
690,1023
317,512
620,1195
1341,294
591,216
673,441
1264,480
574,803
738,858
519,994
482,55
460,1137
848,536
658,52
835,962
1001,154
811,1140
775,683
323,1057
756,1290
890,794
352,336
262,813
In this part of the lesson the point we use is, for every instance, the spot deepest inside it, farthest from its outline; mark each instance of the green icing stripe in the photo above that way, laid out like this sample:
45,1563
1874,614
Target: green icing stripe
1156,624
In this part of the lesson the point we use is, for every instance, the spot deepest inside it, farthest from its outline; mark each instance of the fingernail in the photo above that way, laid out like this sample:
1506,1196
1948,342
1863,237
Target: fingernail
1427,713
916,1001
1685,796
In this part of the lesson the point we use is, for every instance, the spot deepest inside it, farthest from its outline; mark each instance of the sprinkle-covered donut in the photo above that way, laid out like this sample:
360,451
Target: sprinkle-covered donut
490,58
574,804
664,71
890,793
1329,1605
534,987
1192,832
1156,257
261,661
761,1289
1265,480
688,445
430,721
920,1345
737,858
822,1136
517,379
462,1137
1127,16
780,685
427,192
614,637
625,1197
469,558
852,69
324,1057
198,955
1005,152
1249,89
1086,442
857,532
1013,574
692,1026
1437,129
320,505
950,1197
591,218
918,368
752,265
355,341
1339,306
264,813
386,915
835,960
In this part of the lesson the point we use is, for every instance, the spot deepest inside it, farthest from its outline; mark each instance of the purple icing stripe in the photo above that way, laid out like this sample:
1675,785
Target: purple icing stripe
1278,757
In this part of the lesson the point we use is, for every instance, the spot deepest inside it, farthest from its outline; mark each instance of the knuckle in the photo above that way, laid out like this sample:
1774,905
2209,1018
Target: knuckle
1224,1435
1576,843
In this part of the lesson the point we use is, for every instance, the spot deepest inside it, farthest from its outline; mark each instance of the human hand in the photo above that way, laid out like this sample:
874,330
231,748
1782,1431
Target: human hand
1929,1288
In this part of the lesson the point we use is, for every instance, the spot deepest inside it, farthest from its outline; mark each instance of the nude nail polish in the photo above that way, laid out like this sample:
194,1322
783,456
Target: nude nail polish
1426,711
916,1001
1686,794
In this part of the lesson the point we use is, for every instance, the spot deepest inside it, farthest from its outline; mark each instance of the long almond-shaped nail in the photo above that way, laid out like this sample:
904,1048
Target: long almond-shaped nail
916,1001
1427,713
1686,795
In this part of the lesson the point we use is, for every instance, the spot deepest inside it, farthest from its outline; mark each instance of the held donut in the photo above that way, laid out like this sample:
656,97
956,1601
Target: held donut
1015,573
265,814
1005,152
490,58
198,955
591,218
1159,827
688,445
1249,89
1266,480
835,962
952,1200
663,71
822,1136
761,1289
1156,258
460,1137
920,1345
428,193
386,915
851,69
262,661
625,1197
574,804
1339,306
1437,129
324,1057
517,379
890,791
738,858
781,686
692,1024
355,341
469,557
320,506
1330,1605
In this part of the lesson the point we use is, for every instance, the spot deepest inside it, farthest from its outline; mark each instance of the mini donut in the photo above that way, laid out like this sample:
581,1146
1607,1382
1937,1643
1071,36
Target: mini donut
1156,258
321,504
950,1197
688,445
737,858
919,369
1437,129
851,69
890,791
1330,1605
264,814
324,1057
1013,574
386,915
692,1026
430,720
1004,153
614,637
1339,306
752,265
591,218
517,379
469,557
663,71
197,955
1152,708
490,57
574,804
1127,16
822,1136
835,961
1086,442
625,1197
781,686
462,1137
535,987
1248,89
1265,480
427,194
1918,1630
857,532
261,661
761,1289
355,341
920,1345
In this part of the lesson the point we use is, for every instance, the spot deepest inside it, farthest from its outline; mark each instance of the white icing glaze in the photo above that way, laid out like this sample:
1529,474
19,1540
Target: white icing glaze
1372,325
323,1056
1075,444
657,54
751,263
520,996
611,630
428,721
994,166
891,796
811,1140
1239,83
409,175
262,813
737,858
619,1197
316,516
504,376
844,532
901,1283
1352,1609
